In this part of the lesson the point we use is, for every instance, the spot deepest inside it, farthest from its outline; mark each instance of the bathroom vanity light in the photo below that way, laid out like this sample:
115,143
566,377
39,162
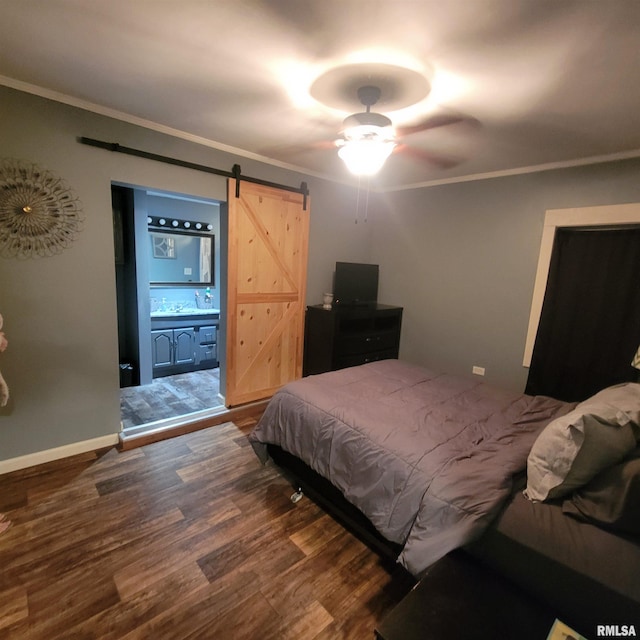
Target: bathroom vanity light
187,225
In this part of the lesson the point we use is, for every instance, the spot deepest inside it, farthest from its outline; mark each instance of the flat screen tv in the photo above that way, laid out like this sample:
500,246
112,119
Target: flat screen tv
355,284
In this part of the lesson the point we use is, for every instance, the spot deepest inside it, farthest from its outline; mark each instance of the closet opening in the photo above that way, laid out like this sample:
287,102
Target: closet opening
589,326
585,306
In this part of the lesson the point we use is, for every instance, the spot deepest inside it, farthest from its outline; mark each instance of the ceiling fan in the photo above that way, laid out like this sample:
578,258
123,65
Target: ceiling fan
368,138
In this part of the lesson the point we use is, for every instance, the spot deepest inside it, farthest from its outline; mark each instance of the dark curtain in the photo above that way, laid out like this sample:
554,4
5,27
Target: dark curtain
590,322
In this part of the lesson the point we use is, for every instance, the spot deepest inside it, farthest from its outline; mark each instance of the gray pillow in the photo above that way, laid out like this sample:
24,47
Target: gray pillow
624,397
574,448
611,499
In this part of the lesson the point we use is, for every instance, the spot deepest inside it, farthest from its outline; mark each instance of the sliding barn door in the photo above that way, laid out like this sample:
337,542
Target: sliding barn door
267,274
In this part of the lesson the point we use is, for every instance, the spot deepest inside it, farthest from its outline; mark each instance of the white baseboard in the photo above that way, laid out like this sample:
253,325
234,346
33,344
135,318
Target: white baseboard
40,457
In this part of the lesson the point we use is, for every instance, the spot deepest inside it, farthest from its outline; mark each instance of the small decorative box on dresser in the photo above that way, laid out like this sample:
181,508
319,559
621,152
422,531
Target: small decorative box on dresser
347,336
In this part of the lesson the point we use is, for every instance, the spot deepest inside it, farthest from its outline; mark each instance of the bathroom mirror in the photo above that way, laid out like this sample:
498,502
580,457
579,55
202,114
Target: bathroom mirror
177,258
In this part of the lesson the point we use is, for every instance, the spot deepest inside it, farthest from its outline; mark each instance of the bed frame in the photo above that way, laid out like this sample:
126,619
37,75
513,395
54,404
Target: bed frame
322,492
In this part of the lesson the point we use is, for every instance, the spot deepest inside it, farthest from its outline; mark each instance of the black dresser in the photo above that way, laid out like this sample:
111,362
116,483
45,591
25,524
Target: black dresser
347,336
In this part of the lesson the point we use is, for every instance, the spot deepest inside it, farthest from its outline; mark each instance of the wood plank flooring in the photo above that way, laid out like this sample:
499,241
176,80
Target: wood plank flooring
188,538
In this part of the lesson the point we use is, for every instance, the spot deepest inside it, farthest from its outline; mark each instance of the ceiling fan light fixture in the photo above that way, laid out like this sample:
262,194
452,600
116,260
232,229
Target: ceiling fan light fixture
366,156
369,138
369,119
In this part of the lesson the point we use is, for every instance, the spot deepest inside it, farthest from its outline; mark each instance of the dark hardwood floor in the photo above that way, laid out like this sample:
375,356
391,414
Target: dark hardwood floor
190,537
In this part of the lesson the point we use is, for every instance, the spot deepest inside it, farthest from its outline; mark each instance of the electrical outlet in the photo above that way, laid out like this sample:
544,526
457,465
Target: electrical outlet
478,371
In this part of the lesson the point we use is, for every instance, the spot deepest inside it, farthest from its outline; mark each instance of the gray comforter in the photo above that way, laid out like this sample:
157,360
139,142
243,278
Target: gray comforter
428,458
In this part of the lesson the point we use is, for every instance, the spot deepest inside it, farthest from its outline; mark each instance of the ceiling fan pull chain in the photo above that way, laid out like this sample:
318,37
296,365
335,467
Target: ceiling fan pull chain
366,204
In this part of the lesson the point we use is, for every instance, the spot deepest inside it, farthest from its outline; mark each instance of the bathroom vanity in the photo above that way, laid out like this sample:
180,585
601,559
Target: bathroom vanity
185,340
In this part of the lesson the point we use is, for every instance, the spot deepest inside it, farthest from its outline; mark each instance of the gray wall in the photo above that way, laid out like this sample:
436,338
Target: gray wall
462,258
60,311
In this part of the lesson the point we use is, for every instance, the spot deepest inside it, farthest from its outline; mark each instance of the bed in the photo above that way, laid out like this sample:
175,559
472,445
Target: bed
428,458
435,462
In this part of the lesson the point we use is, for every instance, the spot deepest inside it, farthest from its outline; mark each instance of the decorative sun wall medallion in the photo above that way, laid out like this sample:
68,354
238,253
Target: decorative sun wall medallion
39,213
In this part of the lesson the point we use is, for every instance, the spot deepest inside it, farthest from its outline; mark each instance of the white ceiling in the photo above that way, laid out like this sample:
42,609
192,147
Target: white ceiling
534,83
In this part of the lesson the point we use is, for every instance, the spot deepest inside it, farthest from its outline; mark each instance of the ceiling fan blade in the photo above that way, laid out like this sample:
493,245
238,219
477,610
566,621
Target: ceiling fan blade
435,121
437,160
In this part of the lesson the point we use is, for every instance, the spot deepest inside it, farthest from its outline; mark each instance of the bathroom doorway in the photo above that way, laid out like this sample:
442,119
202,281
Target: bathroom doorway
167,255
